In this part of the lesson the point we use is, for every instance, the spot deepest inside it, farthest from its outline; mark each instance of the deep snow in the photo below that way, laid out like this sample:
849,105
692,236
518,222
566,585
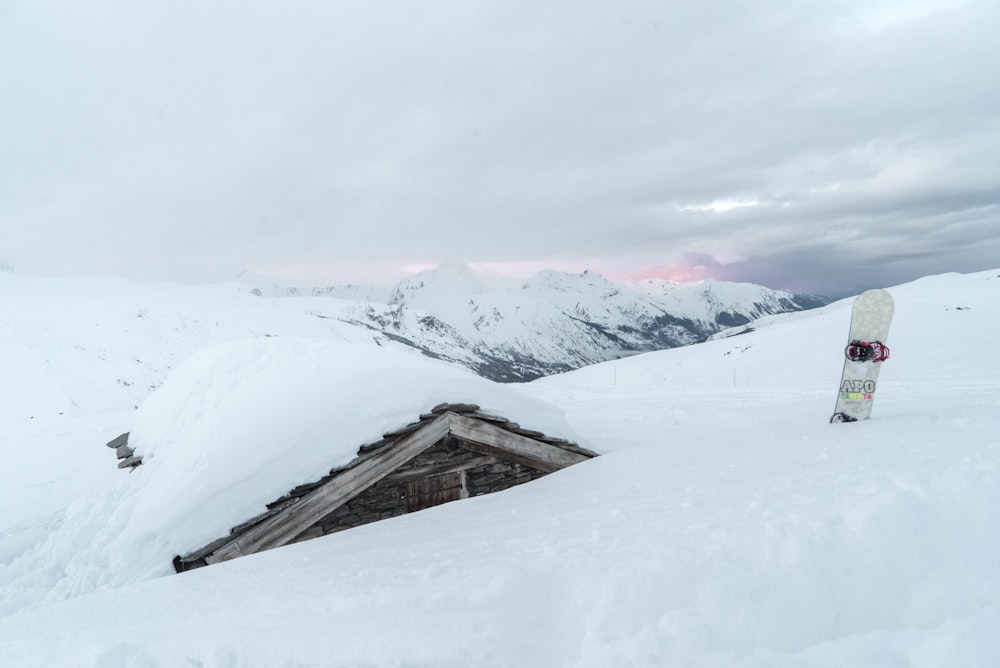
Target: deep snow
728,524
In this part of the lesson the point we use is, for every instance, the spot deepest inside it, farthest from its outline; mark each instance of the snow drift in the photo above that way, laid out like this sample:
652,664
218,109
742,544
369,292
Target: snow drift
240,424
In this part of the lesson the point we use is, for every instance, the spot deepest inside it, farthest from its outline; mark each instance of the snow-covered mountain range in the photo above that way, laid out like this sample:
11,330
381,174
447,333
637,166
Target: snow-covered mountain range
509,330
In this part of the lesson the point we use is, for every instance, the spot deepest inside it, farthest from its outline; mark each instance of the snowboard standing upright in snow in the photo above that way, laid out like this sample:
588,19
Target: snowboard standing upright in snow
863,356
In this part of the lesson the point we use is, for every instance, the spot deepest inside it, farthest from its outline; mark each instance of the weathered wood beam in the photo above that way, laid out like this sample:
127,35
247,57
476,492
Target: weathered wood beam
493,440
490,451
118,440
440,469
284,526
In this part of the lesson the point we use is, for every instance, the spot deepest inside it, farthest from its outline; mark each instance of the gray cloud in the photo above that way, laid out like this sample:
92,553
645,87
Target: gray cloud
782,141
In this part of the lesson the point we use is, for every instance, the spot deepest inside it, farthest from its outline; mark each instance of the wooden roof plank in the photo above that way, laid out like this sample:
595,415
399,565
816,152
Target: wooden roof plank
285,525
448,467
501,442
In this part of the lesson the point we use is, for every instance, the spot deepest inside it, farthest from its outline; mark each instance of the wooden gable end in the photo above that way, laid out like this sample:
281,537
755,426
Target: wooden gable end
452,453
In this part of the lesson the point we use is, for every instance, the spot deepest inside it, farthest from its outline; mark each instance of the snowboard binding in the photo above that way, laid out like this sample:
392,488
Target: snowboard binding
866,351
842,417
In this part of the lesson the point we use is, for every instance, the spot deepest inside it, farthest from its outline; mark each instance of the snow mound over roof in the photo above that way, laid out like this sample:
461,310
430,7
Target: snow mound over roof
240,424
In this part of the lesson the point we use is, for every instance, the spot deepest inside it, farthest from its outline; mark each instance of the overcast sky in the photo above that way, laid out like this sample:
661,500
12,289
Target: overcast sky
828,145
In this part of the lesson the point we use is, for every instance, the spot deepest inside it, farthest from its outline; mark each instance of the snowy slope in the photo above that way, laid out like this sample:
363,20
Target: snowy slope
728,525
103,344
236,426
78,356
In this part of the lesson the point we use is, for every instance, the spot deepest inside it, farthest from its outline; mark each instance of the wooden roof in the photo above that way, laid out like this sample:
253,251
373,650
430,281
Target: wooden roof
289,516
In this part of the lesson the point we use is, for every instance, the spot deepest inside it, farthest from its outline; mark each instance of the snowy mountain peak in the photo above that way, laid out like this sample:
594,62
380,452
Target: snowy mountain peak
588,282
433,288
454,273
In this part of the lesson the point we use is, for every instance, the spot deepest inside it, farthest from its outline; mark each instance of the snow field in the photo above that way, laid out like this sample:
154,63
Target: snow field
613,562
728,525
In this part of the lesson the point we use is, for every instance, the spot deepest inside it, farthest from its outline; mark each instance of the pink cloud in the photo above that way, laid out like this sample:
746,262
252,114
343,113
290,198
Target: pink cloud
679,273
694,267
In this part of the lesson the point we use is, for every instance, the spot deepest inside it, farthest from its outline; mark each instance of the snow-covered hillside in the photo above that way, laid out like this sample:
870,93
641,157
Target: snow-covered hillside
103,344
727,524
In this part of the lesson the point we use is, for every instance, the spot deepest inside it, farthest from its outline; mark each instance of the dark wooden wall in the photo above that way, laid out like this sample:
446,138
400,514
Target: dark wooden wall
444,473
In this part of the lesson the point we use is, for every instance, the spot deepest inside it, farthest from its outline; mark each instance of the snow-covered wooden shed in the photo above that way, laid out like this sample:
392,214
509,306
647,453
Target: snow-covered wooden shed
454,451
127,458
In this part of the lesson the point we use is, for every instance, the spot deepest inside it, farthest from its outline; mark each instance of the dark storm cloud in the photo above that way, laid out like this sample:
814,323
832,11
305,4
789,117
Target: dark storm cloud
782,141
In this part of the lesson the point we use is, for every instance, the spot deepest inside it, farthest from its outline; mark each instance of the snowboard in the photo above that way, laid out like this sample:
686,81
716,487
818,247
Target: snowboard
870,320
